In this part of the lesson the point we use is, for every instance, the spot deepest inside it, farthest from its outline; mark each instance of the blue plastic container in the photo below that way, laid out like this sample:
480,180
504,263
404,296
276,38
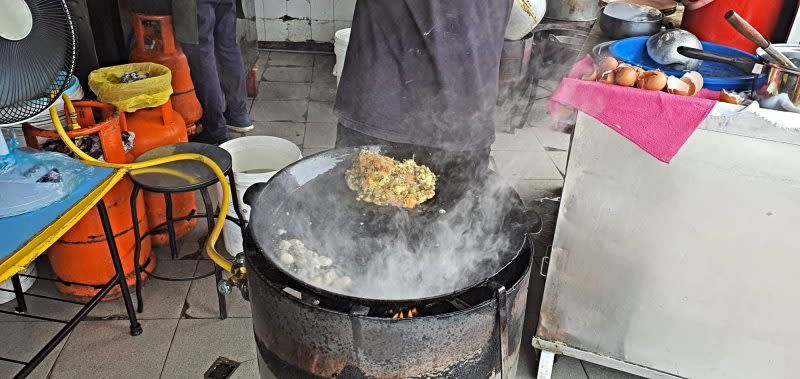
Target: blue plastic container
716,76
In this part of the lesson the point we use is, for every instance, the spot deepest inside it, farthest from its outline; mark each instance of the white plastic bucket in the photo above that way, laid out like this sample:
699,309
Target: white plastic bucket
340,49
255,160
26,282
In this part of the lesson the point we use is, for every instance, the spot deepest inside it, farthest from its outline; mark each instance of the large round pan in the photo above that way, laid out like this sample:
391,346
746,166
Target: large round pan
309,200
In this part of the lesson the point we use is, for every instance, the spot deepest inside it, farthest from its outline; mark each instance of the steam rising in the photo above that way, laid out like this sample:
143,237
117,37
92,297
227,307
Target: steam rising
459,238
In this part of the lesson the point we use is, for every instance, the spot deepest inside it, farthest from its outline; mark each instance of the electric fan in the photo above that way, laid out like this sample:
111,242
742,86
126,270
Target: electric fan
37,58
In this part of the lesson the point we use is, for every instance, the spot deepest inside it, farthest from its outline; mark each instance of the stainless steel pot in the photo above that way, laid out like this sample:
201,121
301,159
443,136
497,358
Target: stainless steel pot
616,21
573,10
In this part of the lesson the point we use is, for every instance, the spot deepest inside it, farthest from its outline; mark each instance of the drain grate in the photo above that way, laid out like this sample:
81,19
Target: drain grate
222,368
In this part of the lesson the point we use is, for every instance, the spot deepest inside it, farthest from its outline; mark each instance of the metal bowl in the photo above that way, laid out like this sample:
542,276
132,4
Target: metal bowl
623,20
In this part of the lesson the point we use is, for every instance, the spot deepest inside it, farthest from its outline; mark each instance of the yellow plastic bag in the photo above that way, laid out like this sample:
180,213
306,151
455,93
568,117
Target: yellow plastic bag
130,97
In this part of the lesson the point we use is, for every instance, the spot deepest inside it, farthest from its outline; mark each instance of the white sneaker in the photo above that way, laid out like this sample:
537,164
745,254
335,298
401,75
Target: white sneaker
240,129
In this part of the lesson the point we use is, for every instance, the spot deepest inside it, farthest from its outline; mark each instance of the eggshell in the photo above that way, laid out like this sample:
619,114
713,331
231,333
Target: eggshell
608,64
695,81
607,77
654,80
730,97
626,76
590,76
676,86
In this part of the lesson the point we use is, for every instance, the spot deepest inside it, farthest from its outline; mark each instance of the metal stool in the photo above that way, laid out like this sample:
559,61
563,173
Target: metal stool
177,177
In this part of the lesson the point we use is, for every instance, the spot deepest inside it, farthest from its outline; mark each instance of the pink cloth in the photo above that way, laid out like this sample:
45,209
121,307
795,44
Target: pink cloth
656,121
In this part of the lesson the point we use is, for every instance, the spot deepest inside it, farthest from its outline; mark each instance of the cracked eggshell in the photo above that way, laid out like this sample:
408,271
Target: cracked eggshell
695,81
653,80
626,76
676,86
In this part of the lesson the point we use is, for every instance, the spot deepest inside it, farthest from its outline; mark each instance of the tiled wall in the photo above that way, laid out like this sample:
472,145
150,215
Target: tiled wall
302,20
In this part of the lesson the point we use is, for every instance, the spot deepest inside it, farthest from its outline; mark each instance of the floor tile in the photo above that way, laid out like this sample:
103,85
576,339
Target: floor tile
559,159
247,370
313,150
530,190
287,74
202,301
323,69
22,340
540,115
198,343
162,299
324,60
564,368
105,349
552,139
320,135
602,372
321,112
289,110
283,91
292,131
277,58
515,165
523,140
323,91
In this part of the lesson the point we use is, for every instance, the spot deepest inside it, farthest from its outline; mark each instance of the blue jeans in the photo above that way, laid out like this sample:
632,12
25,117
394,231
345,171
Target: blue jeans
216,23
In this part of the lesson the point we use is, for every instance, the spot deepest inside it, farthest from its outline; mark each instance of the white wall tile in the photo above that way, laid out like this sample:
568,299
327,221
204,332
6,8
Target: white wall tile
339,25
322,31
343,9
273,8
259,8
298,8
321,10
299,30
276,30
261,29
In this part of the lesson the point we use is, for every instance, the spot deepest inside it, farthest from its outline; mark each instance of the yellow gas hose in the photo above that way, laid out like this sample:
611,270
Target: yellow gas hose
149,167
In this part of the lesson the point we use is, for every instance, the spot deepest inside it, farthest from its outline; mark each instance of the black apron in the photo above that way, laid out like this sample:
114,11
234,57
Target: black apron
424,72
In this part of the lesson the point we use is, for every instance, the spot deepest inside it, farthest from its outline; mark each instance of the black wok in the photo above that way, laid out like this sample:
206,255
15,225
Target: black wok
310,201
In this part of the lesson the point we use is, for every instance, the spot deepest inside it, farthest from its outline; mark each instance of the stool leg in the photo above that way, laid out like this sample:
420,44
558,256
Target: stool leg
237,207
223,311
137,240
136,328
173,241
19,294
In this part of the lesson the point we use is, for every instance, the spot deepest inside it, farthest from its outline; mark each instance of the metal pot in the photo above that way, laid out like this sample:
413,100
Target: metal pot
573,10
780,80
615,23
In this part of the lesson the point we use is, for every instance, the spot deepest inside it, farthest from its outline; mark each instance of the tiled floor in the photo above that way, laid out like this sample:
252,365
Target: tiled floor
182,334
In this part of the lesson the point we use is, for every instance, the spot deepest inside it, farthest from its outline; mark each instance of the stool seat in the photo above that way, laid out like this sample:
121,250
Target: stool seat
181,176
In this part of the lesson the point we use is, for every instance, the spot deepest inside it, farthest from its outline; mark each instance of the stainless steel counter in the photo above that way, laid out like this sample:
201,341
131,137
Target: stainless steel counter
681,270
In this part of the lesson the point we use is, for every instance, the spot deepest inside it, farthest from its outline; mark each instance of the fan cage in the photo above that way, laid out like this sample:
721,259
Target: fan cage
37,69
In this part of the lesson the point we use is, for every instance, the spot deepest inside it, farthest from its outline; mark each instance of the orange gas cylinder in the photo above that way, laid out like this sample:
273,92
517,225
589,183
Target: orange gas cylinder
155,42
80,259
154,127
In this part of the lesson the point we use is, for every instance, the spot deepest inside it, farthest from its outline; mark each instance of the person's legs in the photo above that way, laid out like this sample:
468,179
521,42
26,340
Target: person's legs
204,75
231,67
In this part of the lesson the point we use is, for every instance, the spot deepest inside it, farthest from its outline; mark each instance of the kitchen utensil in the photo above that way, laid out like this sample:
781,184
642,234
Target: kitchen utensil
747,30
572,10
667,7
600,51
745,64
525,15
310,201
663,48
779,79
790,50
716,76
622,20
